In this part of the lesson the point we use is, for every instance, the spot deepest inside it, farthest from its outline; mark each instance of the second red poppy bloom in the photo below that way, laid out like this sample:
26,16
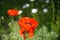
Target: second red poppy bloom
12,12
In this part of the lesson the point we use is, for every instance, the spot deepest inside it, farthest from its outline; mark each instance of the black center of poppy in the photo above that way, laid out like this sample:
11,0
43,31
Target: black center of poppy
28,23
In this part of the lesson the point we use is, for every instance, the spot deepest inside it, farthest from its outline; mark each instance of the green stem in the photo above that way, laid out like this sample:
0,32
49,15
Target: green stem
52,24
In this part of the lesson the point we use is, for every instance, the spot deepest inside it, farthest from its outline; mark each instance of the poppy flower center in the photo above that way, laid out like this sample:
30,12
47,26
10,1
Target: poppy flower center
28,23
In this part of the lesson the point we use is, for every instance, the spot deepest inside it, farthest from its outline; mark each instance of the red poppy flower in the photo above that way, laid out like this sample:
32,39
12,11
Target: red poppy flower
31,33
28,24
21,31
12,12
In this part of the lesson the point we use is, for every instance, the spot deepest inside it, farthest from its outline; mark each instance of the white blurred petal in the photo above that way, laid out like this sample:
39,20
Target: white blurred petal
45,10
47,1
26,5
32,0
20,12
34,10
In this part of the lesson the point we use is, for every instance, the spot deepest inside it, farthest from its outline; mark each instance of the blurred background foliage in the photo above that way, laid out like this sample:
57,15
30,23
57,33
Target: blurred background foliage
48,16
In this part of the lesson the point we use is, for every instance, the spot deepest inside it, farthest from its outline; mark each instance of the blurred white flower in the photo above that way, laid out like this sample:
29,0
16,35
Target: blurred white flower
34,10
47,1
45,10
20,11
32,0
26,5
